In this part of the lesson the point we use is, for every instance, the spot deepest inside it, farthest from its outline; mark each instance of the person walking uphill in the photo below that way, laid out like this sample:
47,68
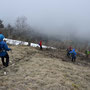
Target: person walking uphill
73,54
40,44
3,52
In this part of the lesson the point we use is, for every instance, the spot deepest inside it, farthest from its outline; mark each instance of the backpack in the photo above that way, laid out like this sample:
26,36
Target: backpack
73,54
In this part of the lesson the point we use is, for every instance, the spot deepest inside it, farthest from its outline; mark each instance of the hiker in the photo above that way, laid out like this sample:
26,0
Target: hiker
3,52
87,52
73,55
40,44
68,50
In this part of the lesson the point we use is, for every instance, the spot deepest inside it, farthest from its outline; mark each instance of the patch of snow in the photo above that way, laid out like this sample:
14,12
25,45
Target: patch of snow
43,46
17,42
37,45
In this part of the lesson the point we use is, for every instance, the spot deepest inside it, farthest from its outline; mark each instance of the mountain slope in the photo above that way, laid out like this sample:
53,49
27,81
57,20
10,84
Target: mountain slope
32,69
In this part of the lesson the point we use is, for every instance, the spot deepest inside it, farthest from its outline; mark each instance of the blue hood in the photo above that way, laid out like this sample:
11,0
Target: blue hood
1,37
73,50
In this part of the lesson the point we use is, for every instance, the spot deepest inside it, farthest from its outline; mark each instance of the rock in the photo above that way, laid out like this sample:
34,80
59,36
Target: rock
10,61
5,73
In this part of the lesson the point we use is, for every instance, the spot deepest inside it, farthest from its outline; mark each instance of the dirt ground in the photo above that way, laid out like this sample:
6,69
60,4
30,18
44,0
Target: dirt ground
32,69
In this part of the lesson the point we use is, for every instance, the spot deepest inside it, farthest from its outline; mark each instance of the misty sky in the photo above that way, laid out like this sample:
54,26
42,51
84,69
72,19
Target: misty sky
52,16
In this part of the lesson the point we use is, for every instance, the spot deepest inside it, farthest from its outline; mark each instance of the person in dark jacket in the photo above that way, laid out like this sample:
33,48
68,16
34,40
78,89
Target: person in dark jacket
3,52
73,54
68,50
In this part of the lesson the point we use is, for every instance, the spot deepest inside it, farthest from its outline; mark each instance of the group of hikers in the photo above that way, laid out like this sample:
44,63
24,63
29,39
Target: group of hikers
71,53
4,48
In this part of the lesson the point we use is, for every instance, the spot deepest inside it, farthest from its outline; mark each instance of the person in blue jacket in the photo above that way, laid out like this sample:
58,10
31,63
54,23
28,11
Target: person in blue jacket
73,54
3,52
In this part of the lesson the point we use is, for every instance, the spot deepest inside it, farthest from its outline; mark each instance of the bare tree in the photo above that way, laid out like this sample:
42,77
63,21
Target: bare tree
10,30
21,24
1,24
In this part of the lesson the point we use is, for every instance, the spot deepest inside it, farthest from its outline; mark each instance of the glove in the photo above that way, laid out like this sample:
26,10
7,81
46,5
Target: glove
10,49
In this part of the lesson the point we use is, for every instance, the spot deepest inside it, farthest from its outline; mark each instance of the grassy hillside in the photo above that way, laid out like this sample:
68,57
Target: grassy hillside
32,69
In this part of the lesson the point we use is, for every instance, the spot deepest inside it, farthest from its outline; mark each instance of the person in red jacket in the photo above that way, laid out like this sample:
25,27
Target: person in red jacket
40,44
70,48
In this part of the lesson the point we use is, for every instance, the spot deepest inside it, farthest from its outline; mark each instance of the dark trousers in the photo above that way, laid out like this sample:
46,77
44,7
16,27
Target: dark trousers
7,60
73,58
68,53
41,47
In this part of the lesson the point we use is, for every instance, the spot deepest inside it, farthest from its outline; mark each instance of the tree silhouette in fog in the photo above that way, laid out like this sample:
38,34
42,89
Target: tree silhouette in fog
1,24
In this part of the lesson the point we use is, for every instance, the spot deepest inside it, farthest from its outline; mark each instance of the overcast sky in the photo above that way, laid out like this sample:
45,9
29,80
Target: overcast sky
52,16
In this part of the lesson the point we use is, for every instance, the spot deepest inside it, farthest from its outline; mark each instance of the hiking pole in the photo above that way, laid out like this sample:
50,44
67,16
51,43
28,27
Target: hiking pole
12,56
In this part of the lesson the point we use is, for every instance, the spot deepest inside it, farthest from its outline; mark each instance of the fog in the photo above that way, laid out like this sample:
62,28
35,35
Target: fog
52,17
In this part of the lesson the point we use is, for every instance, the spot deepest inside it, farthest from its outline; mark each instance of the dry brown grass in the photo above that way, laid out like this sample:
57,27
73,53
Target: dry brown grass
32,69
